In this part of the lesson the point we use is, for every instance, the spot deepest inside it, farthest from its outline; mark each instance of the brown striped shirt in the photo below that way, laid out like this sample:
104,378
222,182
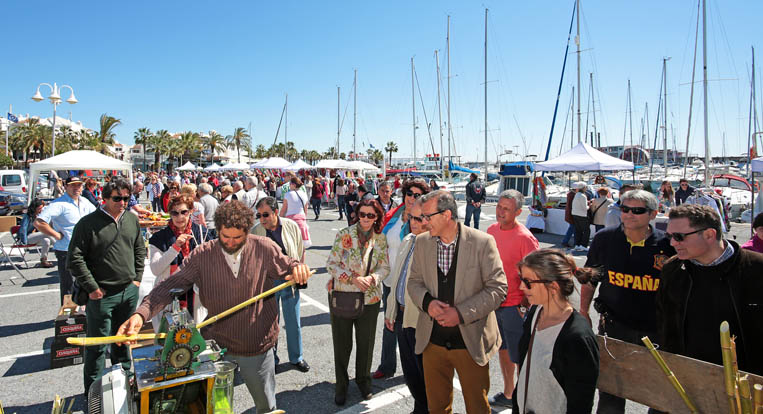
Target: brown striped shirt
250,331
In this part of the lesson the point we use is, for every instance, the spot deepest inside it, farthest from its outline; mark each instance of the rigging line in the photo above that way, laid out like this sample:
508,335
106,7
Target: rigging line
691,95
588,113
564,130
595,66
521,135
283,111
421,99
498,55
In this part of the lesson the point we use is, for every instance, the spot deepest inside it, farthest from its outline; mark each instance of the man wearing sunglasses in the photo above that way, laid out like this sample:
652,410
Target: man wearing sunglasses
710,280
106,257
684,191
630,258
287,235
457,281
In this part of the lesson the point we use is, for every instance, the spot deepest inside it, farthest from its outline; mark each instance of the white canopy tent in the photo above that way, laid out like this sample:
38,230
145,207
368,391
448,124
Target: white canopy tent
75,160
274,163
334,164
212,168
363,167
188,166
234,167
299,165
584,157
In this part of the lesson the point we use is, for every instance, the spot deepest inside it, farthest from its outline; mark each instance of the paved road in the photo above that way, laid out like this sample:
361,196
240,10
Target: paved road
29,303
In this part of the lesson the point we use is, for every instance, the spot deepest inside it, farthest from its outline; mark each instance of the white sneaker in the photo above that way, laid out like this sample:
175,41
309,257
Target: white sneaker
583,249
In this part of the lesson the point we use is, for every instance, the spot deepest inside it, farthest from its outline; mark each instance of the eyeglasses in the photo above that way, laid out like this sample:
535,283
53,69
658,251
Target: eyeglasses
634,210
174,189
428,217
528,283
679,237
176,213
266,215
371,216
410,193
417,219
118,199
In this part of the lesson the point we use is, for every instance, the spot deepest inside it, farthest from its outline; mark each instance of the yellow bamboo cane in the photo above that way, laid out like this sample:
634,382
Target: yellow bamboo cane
105,340
728,367
671,376
757,398
745,398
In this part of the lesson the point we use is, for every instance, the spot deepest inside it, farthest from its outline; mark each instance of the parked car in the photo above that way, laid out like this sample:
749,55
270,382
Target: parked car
12,203
14,181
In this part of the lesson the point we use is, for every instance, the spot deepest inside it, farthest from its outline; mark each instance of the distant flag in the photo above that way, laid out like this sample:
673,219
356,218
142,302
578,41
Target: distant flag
12,118
369,144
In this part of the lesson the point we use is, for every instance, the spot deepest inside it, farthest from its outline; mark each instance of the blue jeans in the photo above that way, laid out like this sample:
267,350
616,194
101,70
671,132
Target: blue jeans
388,363
568,236
289,305
316,203
340,204
472,211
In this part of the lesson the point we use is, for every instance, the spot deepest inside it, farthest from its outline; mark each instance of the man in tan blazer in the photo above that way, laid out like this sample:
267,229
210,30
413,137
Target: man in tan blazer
457,281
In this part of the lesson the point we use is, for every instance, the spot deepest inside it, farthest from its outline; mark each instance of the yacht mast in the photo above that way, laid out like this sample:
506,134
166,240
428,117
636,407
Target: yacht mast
286,125
413,100
665,114
439,110
704,86
336,148
447,42
577,42
486,96
354,115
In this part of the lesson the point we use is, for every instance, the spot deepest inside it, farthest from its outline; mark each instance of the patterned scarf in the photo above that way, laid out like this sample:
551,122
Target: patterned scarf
185,249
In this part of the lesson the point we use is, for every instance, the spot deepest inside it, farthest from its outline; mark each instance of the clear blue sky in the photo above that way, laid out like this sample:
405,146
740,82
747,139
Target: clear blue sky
189,65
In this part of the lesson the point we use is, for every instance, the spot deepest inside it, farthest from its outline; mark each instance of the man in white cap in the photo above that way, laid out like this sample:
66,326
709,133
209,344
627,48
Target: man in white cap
580,218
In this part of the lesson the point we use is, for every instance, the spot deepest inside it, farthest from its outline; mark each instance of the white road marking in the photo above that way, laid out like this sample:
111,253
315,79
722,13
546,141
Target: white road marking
313,302
379,401
12,358
10,295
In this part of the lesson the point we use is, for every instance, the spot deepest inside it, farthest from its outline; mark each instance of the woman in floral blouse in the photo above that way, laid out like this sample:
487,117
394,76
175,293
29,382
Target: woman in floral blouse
347,265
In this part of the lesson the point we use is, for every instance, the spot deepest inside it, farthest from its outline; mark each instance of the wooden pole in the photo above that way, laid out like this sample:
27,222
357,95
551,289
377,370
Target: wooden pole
728,367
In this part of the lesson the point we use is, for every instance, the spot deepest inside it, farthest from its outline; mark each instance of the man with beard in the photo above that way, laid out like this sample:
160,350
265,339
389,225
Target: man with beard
230,270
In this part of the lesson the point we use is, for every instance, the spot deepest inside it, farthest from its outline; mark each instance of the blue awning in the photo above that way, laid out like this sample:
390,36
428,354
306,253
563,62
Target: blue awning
454,167
517,168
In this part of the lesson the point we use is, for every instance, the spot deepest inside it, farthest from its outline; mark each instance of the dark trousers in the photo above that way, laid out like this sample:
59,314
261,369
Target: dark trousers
365,335
104,316
472,211
412,364
582,230
340,204
156,204
65,279
316,203
388,363
608,403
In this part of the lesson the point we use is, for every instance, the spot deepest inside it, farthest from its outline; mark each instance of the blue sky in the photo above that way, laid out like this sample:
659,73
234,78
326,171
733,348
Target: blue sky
189,65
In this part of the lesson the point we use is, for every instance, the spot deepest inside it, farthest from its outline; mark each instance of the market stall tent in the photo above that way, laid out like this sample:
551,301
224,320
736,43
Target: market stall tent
188,166
75,160
584,157
212,168
274,163
298,165
234,167
334,164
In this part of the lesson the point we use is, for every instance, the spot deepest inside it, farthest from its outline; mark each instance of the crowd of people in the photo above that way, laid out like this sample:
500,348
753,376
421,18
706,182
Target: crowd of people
452,296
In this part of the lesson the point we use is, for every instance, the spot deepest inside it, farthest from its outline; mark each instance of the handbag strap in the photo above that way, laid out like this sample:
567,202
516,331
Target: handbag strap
370,255
597,208
528,358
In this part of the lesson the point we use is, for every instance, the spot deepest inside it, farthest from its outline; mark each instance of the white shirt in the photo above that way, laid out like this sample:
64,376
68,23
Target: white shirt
234,261
393,245
546,395
580,205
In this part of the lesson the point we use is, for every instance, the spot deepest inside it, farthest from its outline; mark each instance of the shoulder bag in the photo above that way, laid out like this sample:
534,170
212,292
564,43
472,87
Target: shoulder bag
349,305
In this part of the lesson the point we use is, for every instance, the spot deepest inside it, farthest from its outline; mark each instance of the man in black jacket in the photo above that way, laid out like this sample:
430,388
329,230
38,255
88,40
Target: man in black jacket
683,192
106,257
475,196
709,281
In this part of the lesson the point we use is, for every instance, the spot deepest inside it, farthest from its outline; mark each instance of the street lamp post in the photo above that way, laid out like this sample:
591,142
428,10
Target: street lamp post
55,99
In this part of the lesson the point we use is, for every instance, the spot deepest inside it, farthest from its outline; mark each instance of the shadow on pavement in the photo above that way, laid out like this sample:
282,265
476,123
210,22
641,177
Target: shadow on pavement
318,319
22,328
28,365
42,281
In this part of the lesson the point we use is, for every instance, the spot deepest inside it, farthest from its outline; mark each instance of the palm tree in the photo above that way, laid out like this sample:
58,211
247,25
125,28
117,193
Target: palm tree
390,148
238,140
173,150
330,153
159,143
65,138
313,156
106,133
189,145
376,156
142,137
260,151
215,143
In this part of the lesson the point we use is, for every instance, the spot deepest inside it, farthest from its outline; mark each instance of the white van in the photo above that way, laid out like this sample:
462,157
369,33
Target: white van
13,181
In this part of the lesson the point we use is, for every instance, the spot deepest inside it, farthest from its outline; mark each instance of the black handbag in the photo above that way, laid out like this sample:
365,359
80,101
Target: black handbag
349,305
79,295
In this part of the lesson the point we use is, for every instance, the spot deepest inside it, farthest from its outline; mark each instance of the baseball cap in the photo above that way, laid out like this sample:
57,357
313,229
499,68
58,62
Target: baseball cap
73,180
580,184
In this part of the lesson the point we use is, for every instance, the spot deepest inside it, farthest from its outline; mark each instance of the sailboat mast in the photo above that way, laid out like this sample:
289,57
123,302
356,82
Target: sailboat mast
691,95
486,96
665,114
355,114
704,86
447,42
577,42
286,125
439,110
630,127
336,148
413,106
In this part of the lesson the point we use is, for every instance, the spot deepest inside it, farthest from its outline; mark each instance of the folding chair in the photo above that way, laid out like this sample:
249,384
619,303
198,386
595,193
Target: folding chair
22,249
6,250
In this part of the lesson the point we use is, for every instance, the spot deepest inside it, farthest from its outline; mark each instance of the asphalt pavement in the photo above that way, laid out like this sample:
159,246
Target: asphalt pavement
30,302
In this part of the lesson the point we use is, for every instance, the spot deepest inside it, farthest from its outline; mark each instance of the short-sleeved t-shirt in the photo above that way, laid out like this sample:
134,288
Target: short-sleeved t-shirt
62,214
513,245
630,275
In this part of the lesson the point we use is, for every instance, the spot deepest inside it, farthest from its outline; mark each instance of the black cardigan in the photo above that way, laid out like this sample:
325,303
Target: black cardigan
574,363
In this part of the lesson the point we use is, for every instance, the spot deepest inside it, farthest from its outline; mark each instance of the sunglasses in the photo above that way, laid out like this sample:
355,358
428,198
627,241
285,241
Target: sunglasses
367,215
417,219
266,215
118,199
634,210
679,237
410,193
176,213
428,217
528,283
